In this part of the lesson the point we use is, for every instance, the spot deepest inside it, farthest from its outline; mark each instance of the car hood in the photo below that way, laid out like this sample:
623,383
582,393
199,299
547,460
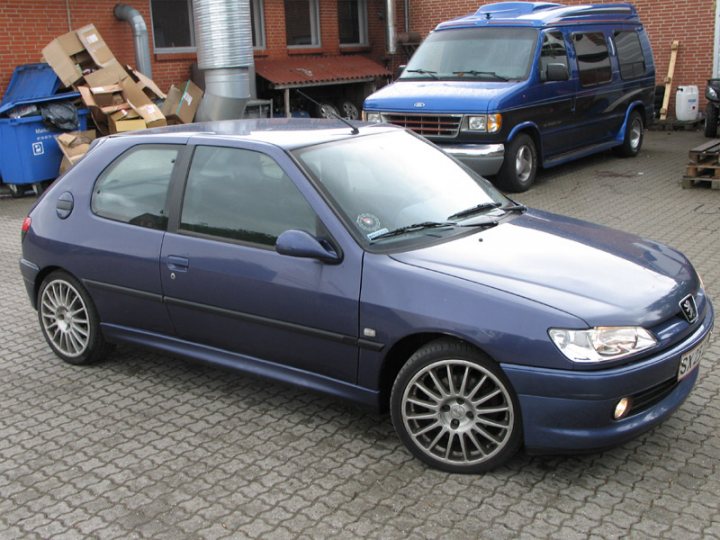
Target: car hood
439,96
601,275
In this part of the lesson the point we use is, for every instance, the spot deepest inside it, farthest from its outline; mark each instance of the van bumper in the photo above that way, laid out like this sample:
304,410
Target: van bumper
484,159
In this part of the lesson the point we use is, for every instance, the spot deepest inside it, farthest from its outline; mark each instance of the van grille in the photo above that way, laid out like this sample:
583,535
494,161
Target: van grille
431,125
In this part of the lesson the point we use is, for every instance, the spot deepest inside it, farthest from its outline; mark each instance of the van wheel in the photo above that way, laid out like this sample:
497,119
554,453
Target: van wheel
455,409
711,120
519,166
634,133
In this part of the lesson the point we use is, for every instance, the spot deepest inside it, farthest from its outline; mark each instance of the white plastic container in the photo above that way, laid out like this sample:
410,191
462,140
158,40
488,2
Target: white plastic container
686,103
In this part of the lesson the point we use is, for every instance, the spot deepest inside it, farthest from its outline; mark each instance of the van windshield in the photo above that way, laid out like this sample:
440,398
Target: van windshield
488,54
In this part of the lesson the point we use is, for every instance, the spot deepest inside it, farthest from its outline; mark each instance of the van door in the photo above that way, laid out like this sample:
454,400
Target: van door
599,106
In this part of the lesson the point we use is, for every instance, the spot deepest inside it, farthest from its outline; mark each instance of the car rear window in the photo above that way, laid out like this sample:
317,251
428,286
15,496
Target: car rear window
630,54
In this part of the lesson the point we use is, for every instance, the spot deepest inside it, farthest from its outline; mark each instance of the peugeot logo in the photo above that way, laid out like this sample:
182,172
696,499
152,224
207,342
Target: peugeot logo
419,105
689,308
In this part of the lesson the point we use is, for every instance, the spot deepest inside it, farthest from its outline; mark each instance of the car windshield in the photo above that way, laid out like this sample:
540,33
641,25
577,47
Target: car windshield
488,54
388,181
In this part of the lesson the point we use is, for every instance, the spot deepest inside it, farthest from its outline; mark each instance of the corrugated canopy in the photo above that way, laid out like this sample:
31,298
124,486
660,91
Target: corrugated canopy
301,71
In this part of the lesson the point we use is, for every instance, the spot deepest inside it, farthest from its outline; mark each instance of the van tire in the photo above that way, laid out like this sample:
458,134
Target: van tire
634,135
711,120
519,166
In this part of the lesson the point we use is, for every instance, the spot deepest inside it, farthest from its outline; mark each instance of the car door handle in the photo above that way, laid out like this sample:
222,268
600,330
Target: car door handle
177,264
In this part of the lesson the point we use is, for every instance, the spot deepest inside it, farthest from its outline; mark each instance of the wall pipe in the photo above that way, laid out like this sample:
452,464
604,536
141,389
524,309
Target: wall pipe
390,37
123,12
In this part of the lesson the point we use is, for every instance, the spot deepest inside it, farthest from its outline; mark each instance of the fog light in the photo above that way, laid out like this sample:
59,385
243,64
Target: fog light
622,408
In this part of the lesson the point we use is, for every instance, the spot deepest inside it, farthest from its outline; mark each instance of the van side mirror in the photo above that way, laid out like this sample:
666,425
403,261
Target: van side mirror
296,243
399,71
556,72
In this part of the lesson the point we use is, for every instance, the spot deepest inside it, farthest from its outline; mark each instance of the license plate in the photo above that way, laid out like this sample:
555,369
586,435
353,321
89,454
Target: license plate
691,359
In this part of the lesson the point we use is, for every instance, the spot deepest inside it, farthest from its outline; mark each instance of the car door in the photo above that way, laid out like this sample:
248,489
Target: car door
226,286
119,257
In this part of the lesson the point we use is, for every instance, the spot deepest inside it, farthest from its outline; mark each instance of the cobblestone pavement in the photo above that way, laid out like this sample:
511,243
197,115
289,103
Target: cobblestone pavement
147,446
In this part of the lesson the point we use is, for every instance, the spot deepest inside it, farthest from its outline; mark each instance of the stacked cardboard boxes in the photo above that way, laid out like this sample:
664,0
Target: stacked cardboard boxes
119,98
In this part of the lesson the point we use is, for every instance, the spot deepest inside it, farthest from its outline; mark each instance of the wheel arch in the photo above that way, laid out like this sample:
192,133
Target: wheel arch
531,129
634,106
41,275
401,351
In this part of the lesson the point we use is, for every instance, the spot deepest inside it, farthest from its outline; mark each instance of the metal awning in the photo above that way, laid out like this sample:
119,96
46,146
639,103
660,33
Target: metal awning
304,71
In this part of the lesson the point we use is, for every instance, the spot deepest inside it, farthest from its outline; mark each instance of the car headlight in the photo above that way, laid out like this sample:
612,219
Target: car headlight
711,93
372,117
602,343
487,123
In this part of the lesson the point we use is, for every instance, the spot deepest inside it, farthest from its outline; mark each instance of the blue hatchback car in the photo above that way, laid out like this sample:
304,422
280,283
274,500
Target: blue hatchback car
364,262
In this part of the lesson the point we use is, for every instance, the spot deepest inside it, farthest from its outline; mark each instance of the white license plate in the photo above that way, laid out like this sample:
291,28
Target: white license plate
691,359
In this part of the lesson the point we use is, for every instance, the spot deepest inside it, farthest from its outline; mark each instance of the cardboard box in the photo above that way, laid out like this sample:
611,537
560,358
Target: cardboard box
95,45
151,89
141,104
181,105
128,124
66,55
108,76
107,99
74,145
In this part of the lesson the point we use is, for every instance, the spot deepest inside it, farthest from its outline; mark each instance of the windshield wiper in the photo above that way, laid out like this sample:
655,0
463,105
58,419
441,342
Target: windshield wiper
515,207
414,227
474,210
476,73
421,71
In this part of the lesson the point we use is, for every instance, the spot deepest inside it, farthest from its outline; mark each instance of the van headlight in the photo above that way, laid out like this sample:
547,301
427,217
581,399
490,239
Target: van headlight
372,117
486,123
602,343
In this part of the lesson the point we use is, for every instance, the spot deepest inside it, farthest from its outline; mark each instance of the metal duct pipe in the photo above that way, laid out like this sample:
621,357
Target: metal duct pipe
390,37
123,12
407,15
223,36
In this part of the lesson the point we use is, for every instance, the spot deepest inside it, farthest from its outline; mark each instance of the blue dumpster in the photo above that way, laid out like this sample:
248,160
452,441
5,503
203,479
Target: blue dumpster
29,153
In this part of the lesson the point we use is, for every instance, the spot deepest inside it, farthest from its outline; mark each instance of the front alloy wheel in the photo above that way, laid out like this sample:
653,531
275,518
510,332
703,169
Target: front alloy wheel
455,410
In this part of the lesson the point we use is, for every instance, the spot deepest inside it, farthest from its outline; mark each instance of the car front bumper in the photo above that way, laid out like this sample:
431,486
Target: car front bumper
572,411
484,159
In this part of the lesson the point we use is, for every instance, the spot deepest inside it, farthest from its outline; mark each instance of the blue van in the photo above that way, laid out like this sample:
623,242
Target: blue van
521,85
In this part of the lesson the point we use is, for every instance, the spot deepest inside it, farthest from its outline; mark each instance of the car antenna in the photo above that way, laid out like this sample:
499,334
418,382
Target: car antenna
353,130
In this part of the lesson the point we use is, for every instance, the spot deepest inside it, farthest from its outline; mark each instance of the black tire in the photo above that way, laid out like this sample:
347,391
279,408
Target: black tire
519,165
69,320
634,136
711,120
456,433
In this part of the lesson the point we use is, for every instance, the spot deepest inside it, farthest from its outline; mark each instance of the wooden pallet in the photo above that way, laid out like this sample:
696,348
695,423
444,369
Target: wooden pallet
690,181
707,171
707,153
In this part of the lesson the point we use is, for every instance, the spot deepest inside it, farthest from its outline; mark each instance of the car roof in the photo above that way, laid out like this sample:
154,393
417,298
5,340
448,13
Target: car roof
288,133
542,14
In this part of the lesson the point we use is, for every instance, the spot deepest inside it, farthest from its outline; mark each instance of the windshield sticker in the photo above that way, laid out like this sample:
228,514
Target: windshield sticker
373,235
368,222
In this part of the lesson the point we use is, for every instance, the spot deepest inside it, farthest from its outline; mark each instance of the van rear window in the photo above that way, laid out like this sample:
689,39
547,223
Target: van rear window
630,54
593,58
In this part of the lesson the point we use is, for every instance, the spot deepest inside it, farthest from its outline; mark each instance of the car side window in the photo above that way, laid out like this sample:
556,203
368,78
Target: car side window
630,54
133,189
593,58
242,195
553,51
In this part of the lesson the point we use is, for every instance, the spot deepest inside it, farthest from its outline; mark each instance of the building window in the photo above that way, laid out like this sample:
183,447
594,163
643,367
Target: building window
302,23
352,22
258,24
172,24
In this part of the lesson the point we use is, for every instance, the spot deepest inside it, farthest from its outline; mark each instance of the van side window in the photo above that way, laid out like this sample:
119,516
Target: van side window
630,54
593,58
552,52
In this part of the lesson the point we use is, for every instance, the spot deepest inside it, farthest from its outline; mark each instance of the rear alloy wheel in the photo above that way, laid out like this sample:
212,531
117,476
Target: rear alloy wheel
69,320
519,166
349,111
455,410
327,110
711,120
634,132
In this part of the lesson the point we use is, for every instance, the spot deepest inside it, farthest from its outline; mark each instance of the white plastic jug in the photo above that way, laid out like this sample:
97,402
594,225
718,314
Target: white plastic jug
686,103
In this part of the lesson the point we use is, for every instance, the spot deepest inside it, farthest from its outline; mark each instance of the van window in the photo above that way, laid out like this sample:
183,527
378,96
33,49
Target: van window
553,51
593,58
630,54
490,54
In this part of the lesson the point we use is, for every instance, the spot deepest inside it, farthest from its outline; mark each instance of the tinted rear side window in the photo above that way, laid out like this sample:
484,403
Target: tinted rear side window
133,189
242,195
553,51
630,54
593,58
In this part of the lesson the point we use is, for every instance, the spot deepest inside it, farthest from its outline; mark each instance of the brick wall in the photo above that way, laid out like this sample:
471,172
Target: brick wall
689,21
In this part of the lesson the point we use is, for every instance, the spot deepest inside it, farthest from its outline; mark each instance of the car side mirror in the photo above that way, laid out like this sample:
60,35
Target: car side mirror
296,243
556,72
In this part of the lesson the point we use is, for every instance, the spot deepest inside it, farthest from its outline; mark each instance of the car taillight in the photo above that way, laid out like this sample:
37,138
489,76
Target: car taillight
25,227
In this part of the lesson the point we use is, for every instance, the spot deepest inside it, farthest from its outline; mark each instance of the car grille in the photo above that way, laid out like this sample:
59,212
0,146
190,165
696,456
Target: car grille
431,125
647,398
